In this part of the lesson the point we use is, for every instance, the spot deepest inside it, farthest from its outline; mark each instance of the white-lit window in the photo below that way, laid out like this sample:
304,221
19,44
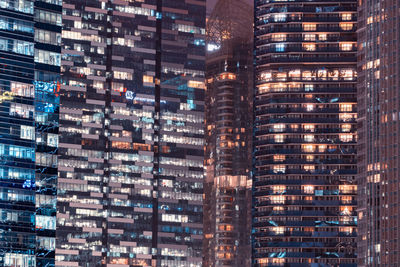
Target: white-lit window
279,37
309,137
346,46
45,222
309,167
279,138
277,199
308,189
279,127
52,140
22,89
279,168
309,127
346,137
309,107
279,17
309,37
278,230
309,87
27,132
278,189
47,57
346,127
322,37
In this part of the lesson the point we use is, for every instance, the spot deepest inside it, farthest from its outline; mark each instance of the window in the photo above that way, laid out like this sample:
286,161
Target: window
308,137
321,148
48,17
279,158
309,107
346,26
346,127
25,6
279,17
346,16
47,37
308,189
21,110
279,138
346,137
27,132
309,47
308,148
309,37
22,89
277,199
279,169
16,46
278,189
280,47
278,37
47,57
309,127
322,37
147,79
346,46
309,168
309,27
122,75
45,222
278,230
309,158
309,87
52,140
279,128
345,107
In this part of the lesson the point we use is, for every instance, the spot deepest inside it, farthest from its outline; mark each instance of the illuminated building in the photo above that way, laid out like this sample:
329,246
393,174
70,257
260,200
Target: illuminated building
30,38
131,133
229,76
305,134
378,147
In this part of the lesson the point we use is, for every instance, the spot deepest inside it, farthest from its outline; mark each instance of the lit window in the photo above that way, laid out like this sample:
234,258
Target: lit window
279,138
309,167
309,107
309,158
346,16
346,137
310,27
347,189
309,37
279,169
346,46
346,199
321,148
309,127
346,26
309,87
279,158
309,137
27,132
322,37
278,230
277,199
346,127
346,116
279,17
278,189
308,189
147,79
279,127
346,107
279,37
52,140
308,148
280,47
309,47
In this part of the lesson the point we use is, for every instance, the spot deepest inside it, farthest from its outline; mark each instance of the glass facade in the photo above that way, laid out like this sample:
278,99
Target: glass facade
131,133
29,100
229,76
378,127
304,188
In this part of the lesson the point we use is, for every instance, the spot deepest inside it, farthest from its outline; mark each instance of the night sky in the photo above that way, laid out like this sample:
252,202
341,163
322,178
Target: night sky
211,4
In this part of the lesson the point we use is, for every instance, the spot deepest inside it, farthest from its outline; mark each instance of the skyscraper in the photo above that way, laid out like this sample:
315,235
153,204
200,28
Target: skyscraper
229,75
378,148
131,133
305,134
30,39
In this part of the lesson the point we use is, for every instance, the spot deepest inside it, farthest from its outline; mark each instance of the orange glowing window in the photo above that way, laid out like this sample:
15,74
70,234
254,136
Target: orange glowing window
346,16
310,27
346,26
308,189
279,158
147,79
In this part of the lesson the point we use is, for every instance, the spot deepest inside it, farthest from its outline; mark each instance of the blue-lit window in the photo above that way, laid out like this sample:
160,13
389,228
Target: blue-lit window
16,46
25,6
280,47
16,25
